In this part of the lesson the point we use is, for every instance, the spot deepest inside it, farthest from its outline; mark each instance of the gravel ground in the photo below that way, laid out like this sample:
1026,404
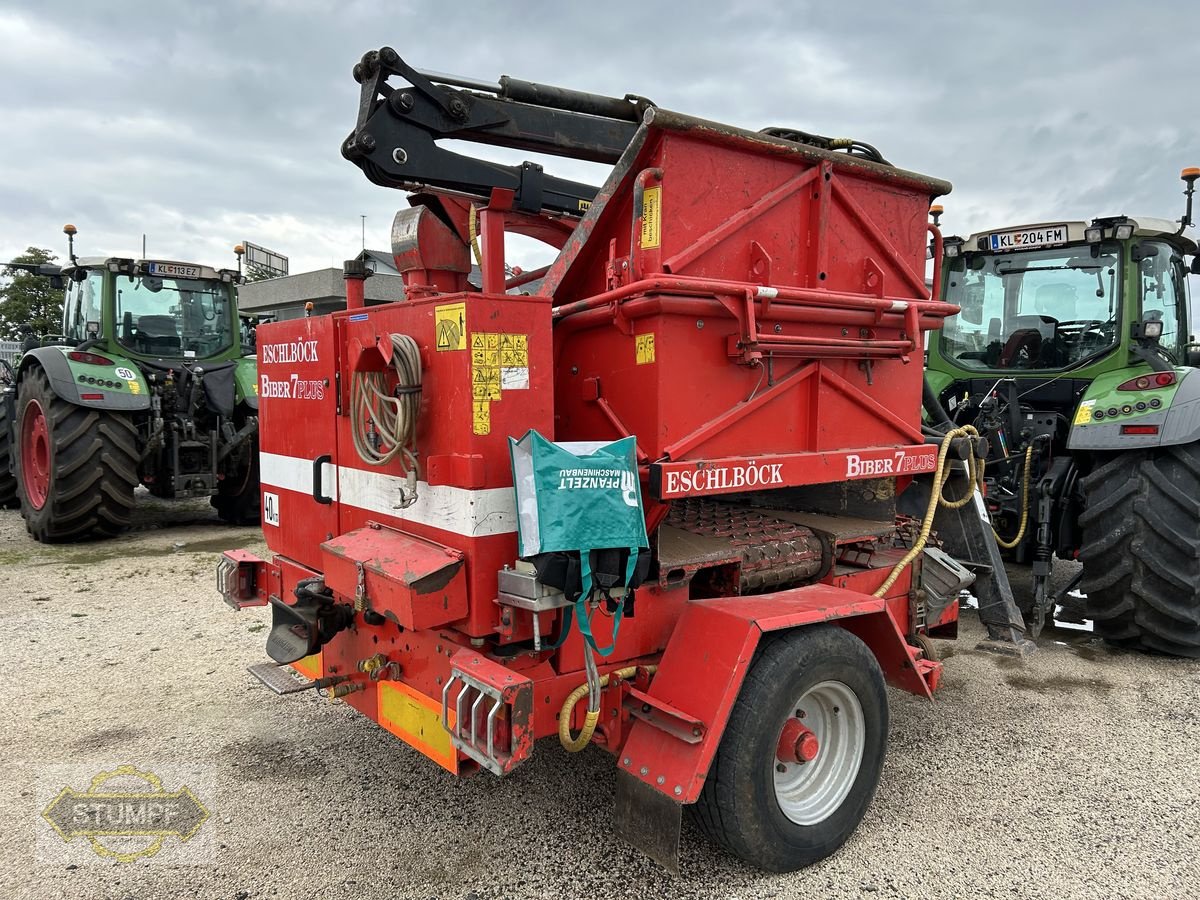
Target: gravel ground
1070,774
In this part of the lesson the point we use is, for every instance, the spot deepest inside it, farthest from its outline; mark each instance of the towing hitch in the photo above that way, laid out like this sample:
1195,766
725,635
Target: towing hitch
301,629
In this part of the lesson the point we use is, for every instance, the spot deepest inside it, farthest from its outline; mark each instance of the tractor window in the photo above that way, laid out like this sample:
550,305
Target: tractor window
1162,291
82,306
174,317
1038,309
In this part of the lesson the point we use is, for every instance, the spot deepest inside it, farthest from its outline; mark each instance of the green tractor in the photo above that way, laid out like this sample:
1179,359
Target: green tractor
1072,356
151,383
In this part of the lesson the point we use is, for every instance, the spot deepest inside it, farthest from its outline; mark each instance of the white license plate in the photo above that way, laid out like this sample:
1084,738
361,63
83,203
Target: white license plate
270,510
1025,238
174,270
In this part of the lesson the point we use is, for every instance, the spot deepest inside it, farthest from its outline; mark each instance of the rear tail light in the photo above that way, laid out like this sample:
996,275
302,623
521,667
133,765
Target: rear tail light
1139,429
91,396
1148,382
91,359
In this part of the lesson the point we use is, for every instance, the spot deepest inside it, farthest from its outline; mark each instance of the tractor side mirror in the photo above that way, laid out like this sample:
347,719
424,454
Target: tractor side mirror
1194,268
57,283
1192,357
971,308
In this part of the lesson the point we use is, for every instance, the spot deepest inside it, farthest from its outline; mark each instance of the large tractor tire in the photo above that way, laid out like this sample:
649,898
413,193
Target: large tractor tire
237,499
8,481
76,467
1141,550
801,756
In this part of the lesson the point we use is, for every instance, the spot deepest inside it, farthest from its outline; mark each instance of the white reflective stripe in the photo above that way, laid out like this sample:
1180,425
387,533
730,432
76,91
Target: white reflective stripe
294,473
454,509
767,293
899,305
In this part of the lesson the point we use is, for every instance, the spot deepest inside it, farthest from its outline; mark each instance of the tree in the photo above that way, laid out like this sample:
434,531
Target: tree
29,300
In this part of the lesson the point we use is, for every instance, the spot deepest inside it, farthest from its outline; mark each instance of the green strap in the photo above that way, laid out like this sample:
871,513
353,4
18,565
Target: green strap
562,635
585,627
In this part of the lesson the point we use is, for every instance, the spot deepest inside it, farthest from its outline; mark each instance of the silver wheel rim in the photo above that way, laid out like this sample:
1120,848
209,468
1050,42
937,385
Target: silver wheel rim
810,792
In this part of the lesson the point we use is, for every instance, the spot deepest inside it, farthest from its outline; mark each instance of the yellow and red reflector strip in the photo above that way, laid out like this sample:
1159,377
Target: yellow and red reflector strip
91,396
1139,429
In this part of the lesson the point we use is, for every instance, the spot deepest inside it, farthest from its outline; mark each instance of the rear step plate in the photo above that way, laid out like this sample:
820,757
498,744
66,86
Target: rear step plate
280,679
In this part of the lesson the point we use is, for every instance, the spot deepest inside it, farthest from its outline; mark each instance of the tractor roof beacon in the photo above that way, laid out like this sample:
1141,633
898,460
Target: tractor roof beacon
149,383
690,435
1073,354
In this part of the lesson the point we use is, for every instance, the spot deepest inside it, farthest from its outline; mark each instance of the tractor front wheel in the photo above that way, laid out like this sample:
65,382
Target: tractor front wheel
802,753
1141,550
76,467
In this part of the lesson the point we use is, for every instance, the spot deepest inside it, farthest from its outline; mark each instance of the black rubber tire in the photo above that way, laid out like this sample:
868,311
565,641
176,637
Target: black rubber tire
93,467
237,499
737,808
8,481
1141,550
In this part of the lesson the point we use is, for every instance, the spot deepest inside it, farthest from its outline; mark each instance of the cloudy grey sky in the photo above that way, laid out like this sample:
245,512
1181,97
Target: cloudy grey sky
206,123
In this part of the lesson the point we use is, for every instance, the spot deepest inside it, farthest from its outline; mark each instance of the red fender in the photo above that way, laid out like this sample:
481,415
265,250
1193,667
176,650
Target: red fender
705,663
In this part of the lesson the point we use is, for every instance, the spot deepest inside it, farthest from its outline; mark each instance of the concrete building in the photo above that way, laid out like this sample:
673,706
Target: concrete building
284,297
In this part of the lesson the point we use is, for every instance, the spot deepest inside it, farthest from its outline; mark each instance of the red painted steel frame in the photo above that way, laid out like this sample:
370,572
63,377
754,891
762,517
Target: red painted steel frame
736,303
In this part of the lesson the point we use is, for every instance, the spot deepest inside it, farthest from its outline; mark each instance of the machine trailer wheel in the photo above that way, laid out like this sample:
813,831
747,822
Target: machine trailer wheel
801,755
1141,550
76,467
8,481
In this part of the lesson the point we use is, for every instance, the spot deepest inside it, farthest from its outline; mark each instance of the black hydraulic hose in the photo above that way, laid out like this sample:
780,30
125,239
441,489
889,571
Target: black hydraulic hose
933,407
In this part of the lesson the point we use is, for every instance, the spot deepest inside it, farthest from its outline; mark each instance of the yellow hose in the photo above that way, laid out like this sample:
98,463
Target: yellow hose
1008,545
575,744
936,499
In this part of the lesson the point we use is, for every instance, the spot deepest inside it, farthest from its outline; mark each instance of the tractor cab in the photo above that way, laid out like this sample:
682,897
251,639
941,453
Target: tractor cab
1062,297
153,309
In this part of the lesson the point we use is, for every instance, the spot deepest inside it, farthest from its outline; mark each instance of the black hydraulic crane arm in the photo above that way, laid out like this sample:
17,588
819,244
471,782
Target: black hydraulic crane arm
395,138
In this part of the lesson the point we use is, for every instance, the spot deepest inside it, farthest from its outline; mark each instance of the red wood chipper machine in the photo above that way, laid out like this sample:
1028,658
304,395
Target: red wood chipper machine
741,315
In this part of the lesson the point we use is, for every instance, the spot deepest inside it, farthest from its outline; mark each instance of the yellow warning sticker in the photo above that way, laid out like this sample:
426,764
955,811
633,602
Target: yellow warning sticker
450,326
1083,415
135,388
485,383
651,218
481,418
491,341
645,348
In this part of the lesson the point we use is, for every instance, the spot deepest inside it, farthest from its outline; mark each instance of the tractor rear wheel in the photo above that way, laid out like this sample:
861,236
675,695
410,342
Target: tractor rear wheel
1141,550
8,481
801,756
76,467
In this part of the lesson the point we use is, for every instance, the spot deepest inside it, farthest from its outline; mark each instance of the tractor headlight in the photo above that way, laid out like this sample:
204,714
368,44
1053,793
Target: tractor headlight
953,248
1124,231
1093,235
1152,328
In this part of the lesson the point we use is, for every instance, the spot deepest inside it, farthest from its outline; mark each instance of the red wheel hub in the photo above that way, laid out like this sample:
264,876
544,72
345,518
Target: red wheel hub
797,743
35,454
